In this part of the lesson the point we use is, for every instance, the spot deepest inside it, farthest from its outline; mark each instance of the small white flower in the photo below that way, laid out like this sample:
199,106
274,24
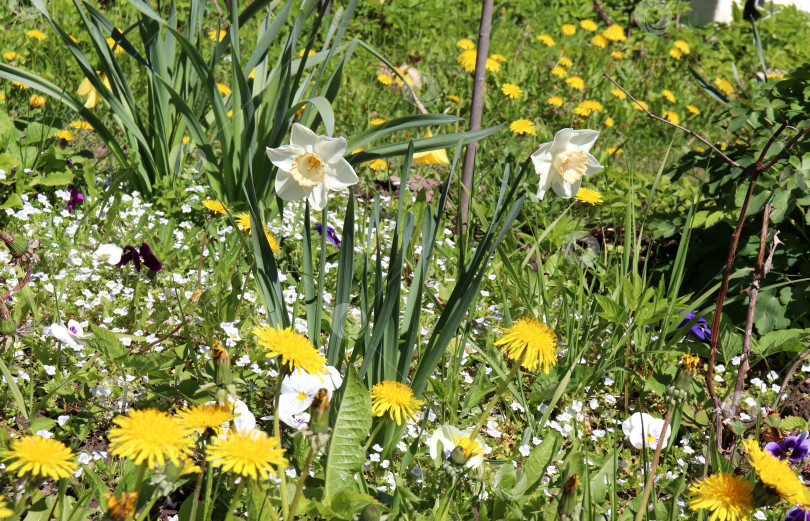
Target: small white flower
61,420
642,429
50,369
44,433
310,166
110,253
562,163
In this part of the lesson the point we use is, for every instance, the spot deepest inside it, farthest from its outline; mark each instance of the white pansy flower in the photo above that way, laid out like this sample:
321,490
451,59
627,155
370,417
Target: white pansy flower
447,435
71,334
298,390
642,429
310,166
562,163
110,253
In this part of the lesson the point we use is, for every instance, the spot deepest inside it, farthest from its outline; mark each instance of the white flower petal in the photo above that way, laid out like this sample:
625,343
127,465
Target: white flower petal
565,190
284,156
289,404
344,176
583,138
303,137
288,189
318,196
330,148
561,141
109,253
593,165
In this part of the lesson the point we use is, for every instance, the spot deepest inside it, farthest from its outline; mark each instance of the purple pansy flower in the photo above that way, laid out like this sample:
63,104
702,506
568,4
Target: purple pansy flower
797,514
700,328
145,256
76,198
331,234
794,448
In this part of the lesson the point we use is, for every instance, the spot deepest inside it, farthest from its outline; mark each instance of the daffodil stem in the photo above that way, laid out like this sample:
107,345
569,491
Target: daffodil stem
495,399
285,508
236,496
374,433
648,485
300,487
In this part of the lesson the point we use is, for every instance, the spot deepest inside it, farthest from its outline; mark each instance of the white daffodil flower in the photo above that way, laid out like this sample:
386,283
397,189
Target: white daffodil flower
562,163
110,253
642,429
310,166
71,334
446,434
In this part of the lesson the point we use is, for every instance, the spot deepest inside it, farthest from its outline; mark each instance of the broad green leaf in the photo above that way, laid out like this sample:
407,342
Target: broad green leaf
791,423
352,426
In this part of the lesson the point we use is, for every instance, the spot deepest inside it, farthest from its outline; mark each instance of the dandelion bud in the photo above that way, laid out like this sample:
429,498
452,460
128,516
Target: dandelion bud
121,508
566,511
17,246
7,324
457,457
319,413
222,364
370,513
678,391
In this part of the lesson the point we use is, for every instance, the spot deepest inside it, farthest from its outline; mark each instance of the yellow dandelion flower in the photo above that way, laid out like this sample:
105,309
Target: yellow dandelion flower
565,61
121,507
591,197
588,107
200,418
672,117
779,75
546,40
740,142
377,121
470,448
588,25
301,53
252,74
2,97
385,79
619,93
575,82
777,475
675,53
10,56
465,44
38,457
617,55
454,99
223,89
609,122
700,149
729,497
614,150
86,90
396,399
217,35
669,95
114,47
690,362
216,206
560,72
555,101
36,101
21,86
531,343
723,145
296,351
243,221
568,29
615,33
493,65
36,35
66,135
4,510
500,58
512,91
641,105
431,157
599,41
724,86
522,126
248,453
81,125
275,247
378,165
681,45
467,60
186,139
150,435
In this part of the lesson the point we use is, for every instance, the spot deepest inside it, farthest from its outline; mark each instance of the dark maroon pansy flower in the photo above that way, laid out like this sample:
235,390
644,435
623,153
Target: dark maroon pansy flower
145,256
76,198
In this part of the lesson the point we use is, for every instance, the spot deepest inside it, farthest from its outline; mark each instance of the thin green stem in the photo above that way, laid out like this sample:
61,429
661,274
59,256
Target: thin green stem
285,508
495,399
648,485
301,481
444,506
139,479
197,488
209,484
374,433
271,511
236,496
